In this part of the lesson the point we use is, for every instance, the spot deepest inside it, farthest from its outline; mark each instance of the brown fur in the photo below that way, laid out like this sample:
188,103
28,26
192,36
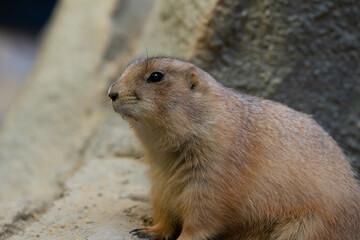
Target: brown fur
224,165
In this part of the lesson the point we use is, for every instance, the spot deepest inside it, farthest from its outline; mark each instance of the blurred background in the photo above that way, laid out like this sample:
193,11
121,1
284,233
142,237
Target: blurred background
69,166
21,25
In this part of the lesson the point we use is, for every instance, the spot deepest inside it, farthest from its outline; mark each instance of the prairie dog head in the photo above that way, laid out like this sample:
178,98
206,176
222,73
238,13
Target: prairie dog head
158,91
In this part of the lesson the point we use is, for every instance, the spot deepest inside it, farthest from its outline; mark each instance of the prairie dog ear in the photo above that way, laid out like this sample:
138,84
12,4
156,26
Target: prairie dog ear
193,78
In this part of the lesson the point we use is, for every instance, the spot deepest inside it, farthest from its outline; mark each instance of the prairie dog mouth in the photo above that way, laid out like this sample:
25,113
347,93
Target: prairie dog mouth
123,105
126,107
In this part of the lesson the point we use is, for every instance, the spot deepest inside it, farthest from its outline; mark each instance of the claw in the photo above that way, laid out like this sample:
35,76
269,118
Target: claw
139,233
136,230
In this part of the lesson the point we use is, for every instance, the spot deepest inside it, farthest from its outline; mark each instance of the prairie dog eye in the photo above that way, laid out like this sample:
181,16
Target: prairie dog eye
155,77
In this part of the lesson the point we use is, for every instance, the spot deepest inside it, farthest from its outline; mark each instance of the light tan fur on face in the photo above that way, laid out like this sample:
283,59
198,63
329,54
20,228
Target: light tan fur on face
224,165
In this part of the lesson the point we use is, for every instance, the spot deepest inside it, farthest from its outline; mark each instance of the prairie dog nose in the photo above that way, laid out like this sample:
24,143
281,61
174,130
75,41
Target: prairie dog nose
113,94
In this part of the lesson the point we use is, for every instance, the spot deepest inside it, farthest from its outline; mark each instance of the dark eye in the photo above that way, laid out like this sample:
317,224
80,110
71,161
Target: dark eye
155,77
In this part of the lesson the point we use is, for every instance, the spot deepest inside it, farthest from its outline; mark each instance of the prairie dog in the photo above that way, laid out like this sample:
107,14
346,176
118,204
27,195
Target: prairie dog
225,165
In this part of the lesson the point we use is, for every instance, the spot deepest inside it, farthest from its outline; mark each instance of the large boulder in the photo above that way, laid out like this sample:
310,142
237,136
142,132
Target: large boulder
305,54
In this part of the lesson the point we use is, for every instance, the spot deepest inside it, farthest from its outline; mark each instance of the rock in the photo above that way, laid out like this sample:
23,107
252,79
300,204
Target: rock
53,117
103,200
173,27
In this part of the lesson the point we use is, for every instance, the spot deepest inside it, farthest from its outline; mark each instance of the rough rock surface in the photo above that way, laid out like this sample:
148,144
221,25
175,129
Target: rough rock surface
305,54
103,200
70,166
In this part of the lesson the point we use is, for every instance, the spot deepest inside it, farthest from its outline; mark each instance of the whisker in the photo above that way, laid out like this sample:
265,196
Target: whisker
106,103
147,59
